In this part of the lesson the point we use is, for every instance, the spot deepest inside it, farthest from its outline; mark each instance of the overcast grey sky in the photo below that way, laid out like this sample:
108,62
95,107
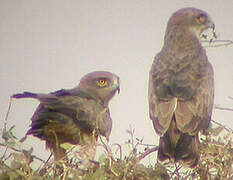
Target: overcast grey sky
49,45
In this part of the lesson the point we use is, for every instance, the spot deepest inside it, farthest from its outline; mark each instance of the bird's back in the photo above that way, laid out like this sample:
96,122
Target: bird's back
179,73
68,118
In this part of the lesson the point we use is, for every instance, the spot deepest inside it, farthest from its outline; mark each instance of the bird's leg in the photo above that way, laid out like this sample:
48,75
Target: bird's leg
59,156
59,152
85,152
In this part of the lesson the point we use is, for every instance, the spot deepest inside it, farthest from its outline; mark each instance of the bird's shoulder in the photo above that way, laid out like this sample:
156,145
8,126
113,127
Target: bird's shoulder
161,64
72,93
71,98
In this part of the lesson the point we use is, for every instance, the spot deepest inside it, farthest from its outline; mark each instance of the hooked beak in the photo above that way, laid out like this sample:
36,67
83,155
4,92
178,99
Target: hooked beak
213,26
117,84
118,89
210,24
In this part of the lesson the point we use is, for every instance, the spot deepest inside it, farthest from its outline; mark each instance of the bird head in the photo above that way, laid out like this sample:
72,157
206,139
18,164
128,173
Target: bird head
192,19
101,84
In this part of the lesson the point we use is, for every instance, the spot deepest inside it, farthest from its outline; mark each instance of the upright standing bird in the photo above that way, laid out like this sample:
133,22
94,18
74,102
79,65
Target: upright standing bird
181,87
76,116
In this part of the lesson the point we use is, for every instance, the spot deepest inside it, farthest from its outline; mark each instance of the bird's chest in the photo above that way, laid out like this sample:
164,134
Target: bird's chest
94,116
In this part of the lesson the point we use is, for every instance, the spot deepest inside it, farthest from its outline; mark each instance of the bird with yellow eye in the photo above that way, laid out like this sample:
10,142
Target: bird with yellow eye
102,82
75,117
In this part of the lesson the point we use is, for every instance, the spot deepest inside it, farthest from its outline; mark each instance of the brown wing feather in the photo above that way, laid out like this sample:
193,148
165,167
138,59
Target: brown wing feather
161,112
194,115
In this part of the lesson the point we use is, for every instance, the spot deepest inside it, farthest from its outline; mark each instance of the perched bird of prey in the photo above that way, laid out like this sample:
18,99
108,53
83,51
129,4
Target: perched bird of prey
76,116
181,87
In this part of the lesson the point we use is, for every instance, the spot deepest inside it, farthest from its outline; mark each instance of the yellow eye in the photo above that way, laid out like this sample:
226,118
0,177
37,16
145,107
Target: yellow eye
200,19
101,82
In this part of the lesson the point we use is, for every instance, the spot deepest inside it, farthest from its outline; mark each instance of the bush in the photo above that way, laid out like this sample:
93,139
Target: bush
216,161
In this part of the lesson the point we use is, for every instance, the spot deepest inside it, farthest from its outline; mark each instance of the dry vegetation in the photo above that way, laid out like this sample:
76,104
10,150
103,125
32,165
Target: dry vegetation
216,161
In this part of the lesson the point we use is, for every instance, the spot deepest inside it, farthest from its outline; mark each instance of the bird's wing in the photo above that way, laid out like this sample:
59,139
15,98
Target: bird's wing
195,114
160,111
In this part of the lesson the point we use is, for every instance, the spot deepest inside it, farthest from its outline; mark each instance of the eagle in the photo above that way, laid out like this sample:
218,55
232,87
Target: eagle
181,87
75,116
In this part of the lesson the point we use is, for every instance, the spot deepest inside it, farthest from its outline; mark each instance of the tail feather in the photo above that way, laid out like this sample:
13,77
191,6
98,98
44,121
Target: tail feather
166,151
184,152
178,147
24,95
187,150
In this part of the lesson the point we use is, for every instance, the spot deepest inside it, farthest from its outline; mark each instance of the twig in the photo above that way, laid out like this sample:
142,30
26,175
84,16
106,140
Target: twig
17,150
4,154
33,156
224,43
109,153
120,148
111,159
147,145
6,158
146,153
225,109
131,132
227,129
7,113
176,172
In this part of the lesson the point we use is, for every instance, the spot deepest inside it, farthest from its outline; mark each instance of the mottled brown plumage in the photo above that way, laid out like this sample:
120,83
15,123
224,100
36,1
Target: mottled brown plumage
181,87
76,116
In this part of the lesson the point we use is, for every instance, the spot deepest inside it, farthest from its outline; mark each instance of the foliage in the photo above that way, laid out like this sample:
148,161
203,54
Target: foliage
216,160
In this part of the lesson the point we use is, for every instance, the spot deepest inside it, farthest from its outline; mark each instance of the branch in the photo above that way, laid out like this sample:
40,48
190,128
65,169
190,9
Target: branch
120,148
217,43
227,129
221,108
107,149
14,149
20,151
7,113
147,145
146,153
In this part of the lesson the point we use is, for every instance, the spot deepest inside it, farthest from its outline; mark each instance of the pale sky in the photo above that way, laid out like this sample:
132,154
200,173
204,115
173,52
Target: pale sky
49,45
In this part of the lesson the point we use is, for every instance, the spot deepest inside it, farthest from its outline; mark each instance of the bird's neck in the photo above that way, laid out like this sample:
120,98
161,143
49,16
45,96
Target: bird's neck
182,41
98,97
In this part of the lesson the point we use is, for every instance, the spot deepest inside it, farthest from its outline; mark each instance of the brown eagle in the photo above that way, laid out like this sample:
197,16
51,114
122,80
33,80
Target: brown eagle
181,87
76,116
